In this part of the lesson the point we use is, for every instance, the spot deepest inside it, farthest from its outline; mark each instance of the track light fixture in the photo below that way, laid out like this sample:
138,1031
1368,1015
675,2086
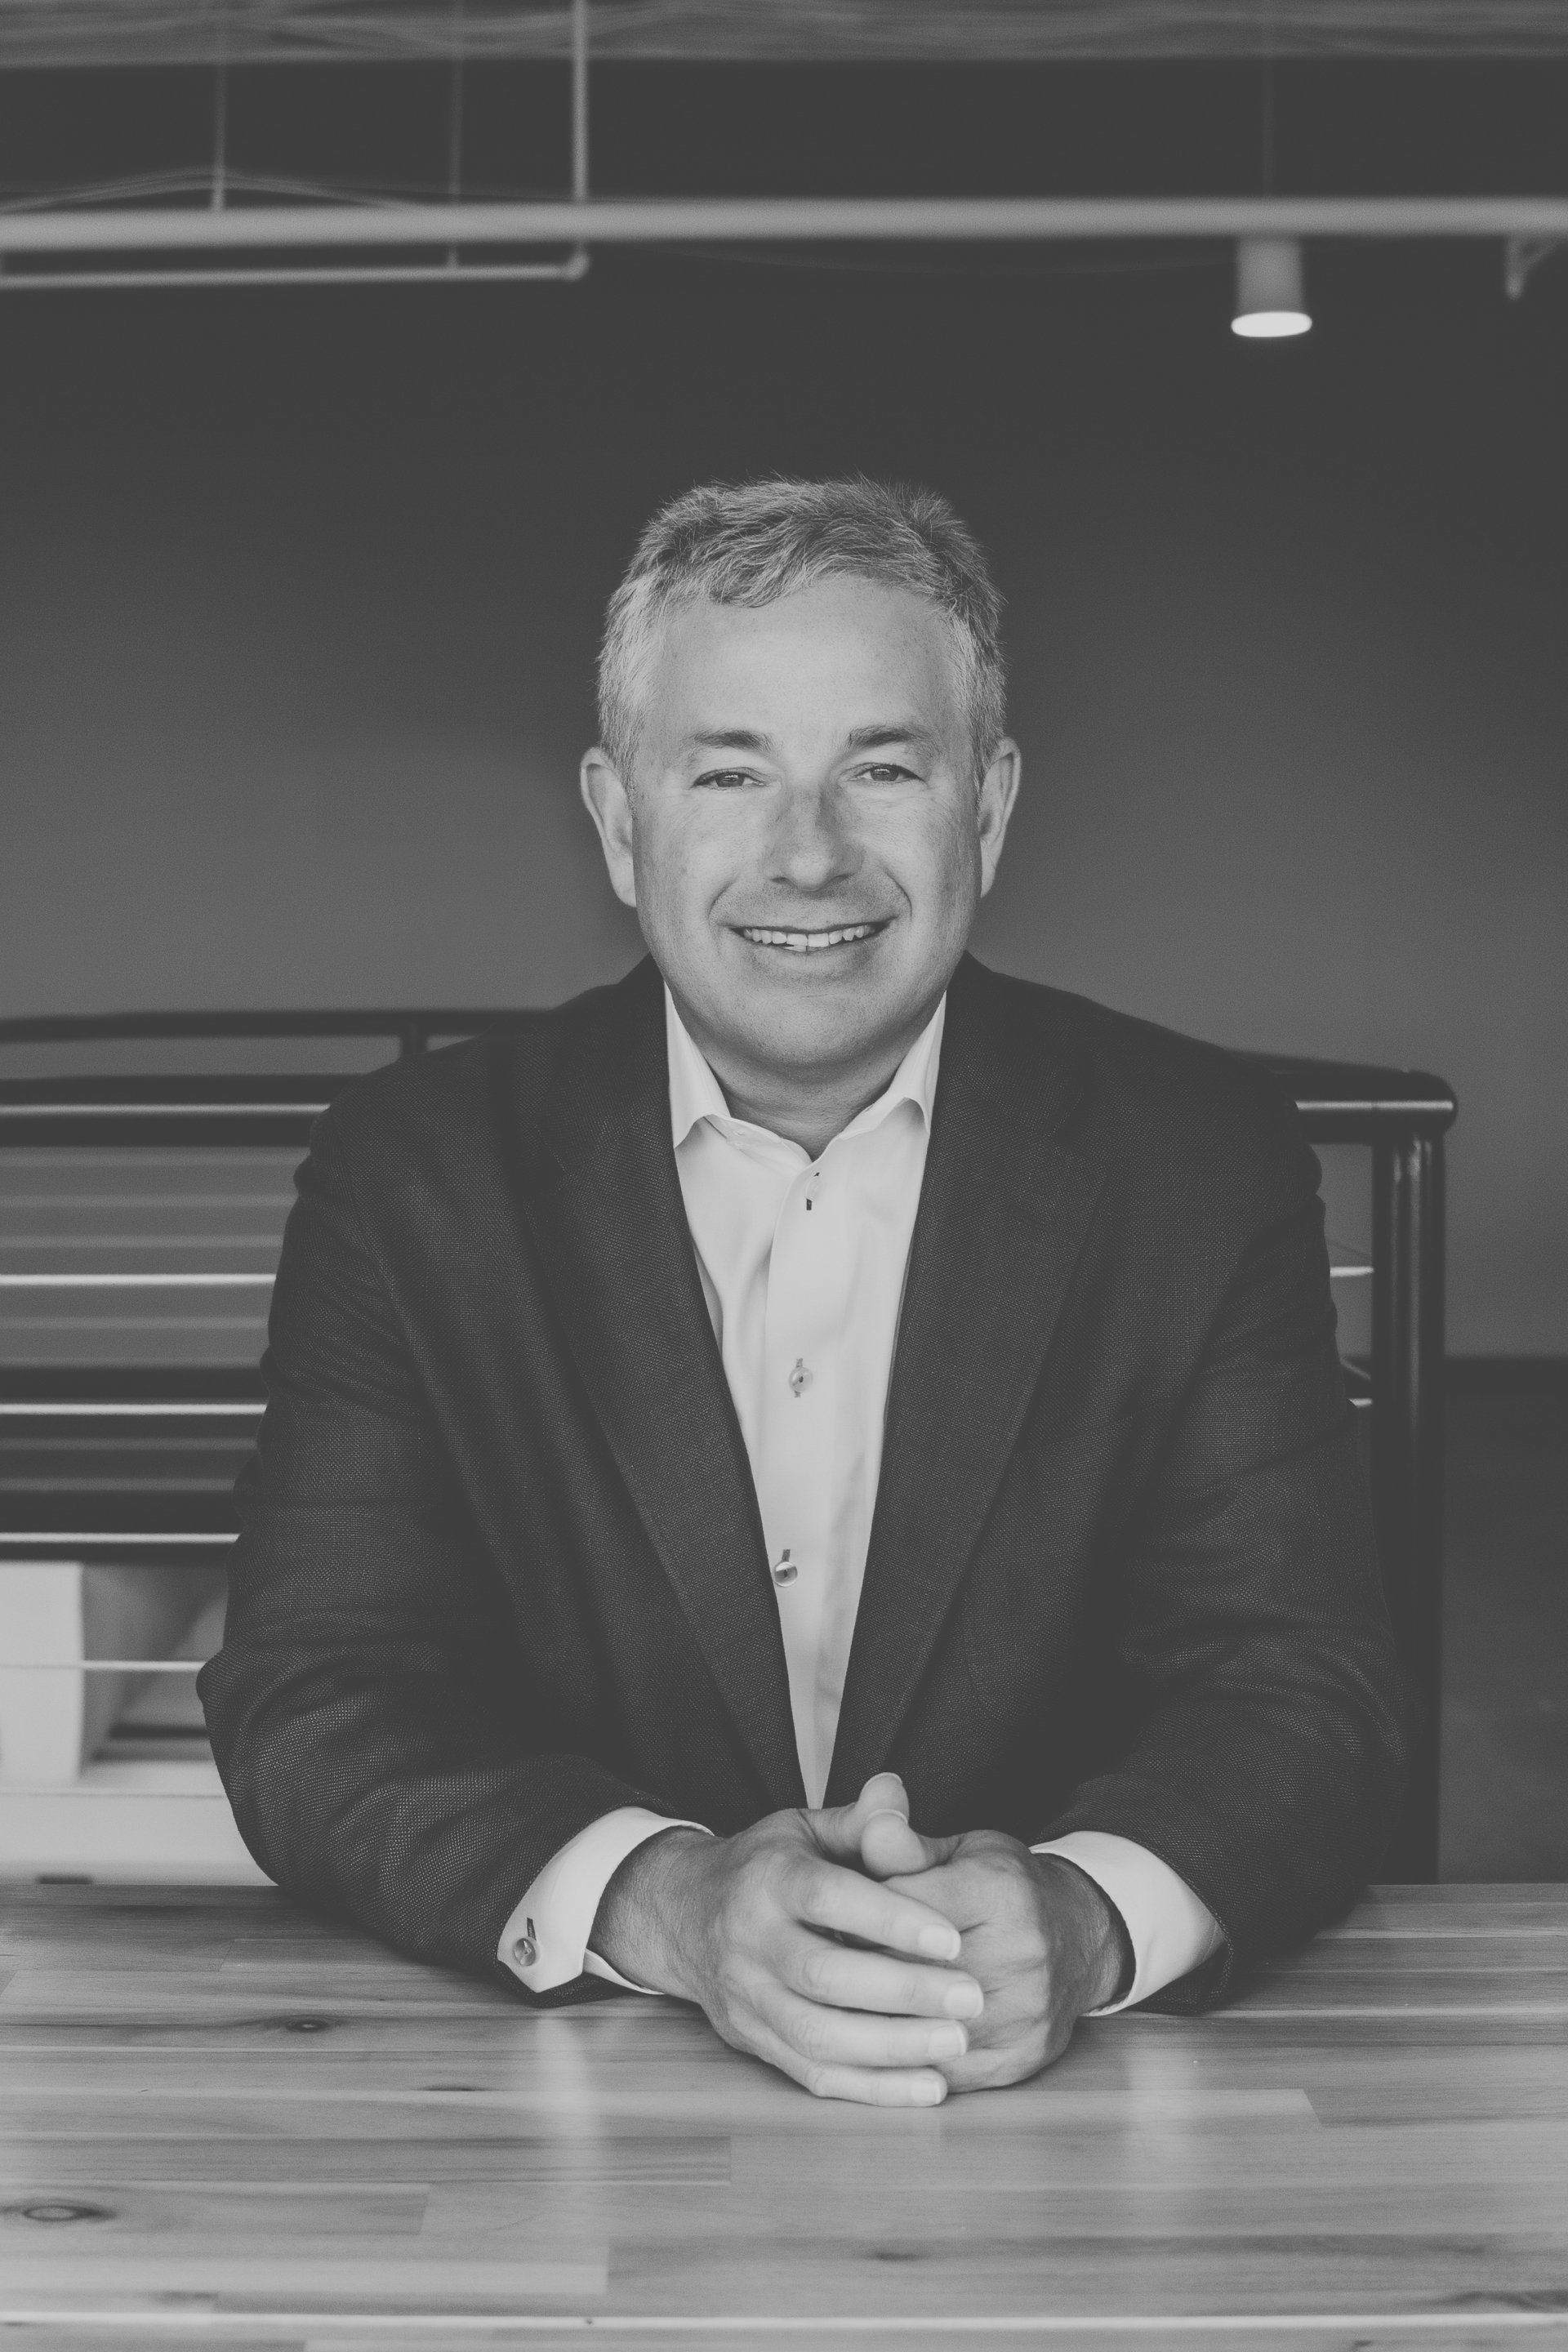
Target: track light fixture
1269,298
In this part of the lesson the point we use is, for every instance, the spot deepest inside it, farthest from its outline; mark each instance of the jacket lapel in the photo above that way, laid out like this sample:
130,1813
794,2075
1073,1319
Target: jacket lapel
1004,1214
610,1225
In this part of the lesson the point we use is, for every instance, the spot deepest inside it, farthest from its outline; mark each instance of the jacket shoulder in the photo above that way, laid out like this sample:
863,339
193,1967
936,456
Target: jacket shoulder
492,1083
1144,1090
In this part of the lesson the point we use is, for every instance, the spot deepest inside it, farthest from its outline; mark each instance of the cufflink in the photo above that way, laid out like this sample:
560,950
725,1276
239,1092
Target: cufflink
525,1948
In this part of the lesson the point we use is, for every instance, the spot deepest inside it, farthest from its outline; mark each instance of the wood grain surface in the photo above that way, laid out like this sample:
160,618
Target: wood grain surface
223,2123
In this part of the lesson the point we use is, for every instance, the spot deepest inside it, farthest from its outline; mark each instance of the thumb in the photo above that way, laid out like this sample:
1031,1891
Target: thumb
874,1834
889,1848
840,1828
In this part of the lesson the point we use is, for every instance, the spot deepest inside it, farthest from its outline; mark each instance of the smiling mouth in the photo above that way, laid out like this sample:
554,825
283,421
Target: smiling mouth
809,943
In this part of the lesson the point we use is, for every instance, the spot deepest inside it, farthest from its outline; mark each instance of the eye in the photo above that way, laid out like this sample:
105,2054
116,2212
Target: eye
886,771
725,779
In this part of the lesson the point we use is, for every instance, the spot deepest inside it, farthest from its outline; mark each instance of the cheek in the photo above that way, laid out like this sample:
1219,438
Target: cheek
678,869
939,863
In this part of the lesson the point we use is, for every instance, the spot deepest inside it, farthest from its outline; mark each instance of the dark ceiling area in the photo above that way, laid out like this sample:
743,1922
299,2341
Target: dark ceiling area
952,32
1426,126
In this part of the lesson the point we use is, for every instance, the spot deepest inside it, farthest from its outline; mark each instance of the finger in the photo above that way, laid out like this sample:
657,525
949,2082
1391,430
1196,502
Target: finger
849,2037
884,1792
838,1827
889,1848
958,1894
843,1902
844,1978
1014,2060
868,2086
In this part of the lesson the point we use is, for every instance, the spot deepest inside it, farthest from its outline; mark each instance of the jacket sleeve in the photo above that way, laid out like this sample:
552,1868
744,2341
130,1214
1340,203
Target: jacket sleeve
1268,1765
370,1707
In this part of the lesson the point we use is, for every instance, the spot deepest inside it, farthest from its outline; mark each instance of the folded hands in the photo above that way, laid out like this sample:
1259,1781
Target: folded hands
864,1960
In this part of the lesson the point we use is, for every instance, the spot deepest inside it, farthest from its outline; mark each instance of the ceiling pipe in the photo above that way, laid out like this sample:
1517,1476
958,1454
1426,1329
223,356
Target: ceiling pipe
741,220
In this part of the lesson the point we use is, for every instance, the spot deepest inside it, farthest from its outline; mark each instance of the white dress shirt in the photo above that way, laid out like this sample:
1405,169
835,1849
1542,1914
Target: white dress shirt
803,1266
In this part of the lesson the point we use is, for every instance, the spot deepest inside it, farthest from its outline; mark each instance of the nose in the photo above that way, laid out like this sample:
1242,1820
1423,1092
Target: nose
811,849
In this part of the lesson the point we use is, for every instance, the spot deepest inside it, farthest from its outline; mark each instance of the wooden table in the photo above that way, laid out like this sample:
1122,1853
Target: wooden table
223,2123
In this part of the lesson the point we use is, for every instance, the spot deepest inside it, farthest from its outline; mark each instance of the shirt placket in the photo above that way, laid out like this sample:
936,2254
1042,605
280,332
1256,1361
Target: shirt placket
796,1425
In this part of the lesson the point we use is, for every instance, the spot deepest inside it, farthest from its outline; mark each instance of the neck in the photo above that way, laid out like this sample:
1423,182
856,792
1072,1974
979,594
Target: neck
806,1106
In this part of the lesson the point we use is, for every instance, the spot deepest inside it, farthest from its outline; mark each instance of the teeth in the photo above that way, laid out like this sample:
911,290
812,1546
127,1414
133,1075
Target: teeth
808,943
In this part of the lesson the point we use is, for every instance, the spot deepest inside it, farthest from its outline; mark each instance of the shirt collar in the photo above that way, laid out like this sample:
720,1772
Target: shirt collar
695,1093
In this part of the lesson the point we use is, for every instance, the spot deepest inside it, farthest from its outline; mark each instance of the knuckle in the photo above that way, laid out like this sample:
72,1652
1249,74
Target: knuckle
812,1894
815,1969
809,2032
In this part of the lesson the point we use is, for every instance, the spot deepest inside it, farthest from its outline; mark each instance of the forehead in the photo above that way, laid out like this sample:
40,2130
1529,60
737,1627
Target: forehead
840,653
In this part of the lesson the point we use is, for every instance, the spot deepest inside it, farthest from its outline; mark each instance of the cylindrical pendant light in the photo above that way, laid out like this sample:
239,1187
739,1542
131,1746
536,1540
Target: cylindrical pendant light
1268,300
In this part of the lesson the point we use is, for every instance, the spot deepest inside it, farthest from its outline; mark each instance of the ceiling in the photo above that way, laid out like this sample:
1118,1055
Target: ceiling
55,32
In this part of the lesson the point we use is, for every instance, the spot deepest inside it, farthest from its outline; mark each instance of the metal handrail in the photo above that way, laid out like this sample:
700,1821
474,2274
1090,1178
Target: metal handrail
411,1026
102,1665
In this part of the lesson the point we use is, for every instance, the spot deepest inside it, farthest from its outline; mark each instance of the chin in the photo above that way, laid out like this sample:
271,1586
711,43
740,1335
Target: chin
822,1023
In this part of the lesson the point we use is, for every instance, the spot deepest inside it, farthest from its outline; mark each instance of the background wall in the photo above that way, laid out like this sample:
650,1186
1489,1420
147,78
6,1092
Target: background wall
299,596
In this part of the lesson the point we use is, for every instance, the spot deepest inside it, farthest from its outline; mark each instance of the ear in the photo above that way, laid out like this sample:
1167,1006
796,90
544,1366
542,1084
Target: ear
998,791
608,802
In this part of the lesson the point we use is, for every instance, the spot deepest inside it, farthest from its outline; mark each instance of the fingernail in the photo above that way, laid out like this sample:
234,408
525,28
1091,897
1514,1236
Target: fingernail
928,2091
964,2001
948,2041
939,1943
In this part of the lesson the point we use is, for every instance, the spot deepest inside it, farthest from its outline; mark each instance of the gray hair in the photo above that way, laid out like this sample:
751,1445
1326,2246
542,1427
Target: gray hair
751,542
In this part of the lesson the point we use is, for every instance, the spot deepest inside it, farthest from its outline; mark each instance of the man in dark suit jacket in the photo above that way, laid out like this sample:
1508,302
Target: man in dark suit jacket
816,1479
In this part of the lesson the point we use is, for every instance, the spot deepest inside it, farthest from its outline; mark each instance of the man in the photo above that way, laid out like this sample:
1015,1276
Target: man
815,1480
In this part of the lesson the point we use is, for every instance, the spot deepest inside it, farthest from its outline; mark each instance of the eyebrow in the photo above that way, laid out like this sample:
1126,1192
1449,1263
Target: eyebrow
731,738
904,730
860,738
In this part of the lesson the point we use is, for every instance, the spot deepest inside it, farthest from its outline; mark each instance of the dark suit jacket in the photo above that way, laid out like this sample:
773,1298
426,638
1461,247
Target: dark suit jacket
502,1568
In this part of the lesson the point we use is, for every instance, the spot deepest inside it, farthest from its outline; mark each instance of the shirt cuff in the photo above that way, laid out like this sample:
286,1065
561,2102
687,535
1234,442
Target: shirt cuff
545,1941
1171,1931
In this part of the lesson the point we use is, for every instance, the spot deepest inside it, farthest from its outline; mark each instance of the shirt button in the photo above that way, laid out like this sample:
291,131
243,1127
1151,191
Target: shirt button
524,1950
787,1570
800,1378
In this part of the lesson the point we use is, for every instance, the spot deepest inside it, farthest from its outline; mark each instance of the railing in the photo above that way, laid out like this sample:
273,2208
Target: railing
129,1402
1402,1116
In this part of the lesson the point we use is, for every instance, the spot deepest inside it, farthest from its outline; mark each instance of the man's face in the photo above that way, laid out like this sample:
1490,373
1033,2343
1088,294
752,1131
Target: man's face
802,836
